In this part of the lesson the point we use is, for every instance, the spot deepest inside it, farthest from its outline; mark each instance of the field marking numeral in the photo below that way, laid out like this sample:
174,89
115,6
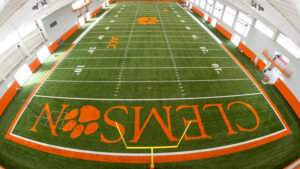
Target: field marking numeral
92,49
78,70
195,37
218,69
204,49
100,37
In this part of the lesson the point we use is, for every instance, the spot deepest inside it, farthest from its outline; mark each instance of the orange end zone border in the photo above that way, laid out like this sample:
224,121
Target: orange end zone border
159,157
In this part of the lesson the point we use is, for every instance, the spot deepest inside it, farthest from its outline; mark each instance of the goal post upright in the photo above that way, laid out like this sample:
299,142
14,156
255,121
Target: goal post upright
153,147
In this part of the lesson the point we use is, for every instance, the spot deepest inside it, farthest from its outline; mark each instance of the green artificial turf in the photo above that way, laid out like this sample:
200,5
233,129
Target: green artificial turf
149,57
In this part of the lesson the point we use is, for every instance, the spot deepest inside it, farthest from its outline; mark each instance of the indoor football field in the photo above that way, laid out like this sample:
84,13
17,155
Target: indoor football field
148,83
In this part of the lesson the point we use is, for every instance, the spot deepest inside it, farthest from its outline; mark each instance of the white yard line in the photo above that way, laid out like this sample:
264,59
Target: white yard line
93,42
149,57
123,67
150,48
141,99
140,36
145,31
100,25
124,27
145,81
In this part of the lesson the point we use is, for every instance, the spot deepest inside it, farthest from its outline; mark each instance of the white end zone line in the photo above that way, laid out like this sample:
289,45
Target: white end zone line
220,42
145,81
143,154
149,57
158,99
75,43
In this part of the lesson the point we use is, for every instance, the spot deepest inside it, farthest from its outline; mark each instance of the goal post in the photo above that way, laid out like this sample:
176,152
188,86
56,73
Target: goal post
153,147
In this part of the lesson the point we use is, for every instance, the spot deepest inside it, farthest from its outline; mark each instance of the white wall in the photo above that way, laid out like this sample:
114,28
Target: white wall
95,5
65,19
257,42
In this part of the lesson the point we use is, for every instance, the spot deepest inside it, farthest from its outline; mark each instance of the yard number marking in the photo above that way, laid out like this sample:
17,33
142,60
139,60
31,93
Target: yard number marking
195,37
107,28
100,37
92,49
78,70
204,49
218,69
188,28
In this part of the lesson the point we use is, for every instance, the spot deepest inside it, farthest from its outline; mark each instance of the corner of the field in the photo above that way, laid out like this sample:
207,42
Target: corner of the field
288,130
8,134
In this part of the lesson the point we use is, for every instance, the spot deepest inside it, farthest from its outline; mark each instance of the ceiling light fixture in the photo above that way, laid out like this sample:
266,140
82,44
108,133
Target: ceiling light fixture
42,2
254,5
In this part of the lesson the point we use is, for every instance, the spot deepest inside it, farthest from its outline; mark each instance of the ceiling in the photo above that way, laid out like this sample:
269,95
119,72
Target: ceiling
9,7
289,9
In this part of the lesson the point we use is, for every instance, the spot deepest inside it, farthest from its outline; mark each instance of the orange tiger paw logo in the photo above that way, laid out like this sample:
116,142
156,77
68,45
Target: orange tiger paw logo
88,114
147,20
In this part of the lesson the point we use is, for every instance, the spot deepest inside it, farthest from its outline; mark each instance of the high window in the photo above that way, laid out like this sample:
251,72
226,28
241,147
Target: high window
218,10
289,45
243,24
229,15
264,29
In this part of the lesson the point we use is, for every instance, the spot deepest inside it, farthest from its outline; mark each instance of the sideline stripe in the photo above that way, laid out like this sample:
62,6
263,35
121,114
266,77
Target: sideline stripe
158,99
146,81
